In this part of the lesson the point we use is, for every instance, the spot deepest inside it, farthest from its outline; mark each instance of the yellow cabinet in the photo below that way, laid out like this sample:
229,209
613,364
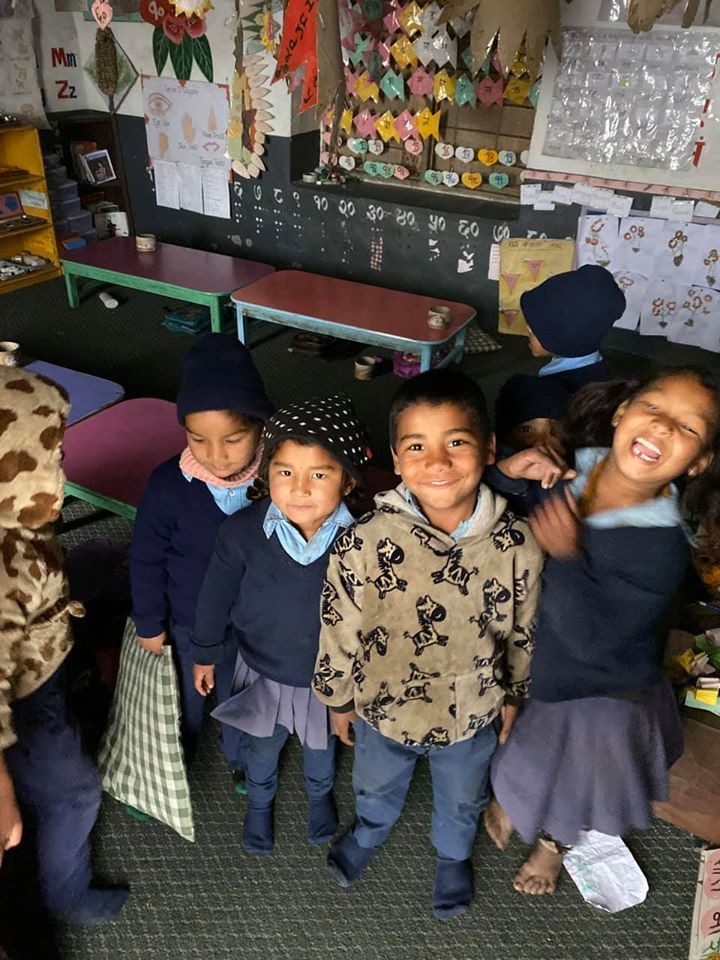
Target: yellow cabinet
20,147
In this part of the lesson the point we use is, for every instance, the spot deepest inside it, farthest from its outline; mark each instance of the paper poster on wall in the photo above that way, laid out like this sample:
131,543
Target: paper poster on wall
639,244
659,308
634,287
597,239
525,264
185,122
682,250
19,85
697,322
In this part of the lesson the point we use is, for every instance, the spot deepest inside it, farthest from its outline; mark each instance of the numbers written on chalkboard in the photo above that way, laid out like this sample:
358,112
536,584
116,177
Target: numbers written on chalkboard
501,231
469,229
257,192
320,202
375,213
436,223
346,208
237,190
404,218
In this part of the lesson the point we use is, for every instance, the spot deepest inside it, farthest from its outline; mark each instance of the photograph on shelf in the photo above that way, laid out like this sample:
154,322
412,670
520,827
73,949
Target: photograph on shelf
99,166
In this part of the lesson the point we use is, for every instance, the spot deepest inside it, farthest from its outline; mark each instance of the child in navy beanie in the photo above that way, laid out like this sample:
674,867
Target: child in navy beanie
568,316
222,404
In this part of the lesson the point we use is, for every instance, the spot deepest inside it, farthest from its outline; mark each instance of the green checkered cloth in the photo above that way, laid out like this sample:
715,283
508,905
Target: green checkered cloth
141,758
478,340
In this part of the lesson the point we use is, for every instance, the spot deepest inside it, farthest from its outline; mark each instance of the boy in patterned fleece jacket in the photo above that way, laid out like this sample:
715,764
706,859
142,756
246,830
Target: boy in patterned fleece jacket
426,632
41,760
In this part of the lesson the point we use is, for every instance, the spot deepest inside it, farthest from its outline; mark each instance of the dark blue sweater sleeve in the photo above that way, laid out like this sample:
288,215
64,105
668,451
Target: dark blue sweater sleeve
218,595
154,524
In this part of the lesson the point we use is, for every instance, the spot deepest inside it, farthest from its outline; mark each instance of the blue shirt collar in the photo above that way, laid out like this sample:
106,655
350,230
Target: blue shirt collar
228,499
461,529
292,541
660,512
560,364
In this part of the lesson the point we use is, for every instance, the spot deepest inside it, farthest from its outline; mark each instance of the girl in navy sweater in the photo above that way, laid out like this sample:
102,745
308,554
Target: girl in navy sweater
601,729
265,581
222,405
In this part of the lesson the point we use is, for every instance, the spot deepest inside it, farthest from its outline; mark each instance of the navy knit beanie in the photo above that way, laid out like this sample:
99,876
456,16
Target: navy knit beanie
570,313
524,398
219,374
331,422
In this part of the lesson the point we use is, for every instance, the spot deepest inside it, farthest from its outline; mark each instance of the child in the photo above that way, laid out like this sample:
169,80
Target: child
593,746
568,316
222,405
265,580
529,413
427,619
41,759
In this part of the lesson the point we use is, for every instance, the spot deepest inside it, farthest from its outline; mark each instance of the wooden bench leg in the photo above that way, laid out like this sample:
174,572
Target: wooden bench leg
72,289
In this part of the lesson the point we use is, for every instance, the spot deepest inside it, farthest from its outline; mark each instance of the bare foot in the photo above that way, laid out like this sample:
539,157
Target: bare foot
498,825
539,874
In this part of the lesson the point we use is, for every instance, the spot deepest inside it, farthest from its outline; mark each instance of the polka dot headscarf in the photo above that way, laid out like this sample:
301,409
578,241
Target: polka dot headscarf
331,422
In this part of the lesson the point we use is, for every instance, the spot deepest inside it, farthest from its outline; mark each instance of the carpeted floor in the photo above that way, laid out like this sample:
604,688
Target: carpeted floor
211,899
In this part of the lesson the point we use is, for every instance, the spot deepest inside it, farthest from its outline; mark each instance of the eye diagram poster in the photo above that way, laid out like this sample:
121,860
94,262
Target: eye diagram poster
185,126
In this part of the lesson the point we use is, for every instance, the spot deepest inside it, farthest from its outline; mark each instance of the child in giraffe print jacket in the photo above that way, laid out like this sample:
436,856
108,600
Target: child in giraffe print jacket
427,616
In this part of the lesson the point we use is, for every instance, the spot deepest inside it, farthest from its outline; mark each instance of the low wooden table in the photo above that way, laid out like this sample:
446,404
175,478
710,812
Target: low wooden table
172,271
352,311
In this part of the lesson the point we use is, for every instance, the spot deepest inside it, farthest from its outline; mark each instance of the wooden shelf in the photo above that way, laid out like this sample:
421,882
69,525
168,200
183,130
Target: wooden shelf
20,147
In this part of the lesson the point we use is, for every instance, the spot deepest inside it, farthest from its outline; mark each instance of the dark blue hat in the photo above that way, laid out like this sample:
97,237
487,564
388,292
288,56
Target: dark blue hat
571,312
524,398
219,374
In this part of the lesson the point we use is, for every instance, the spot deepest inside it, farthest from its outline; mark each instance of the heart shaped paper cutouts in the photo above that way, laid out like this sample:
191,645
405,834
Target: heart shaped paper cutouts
387,170
347,163
414,146
488,157
524,157
498,180
401,173
464,154
444,150
434,177
357,145
471,180
102,12
375,147
372,167
450,178
508,158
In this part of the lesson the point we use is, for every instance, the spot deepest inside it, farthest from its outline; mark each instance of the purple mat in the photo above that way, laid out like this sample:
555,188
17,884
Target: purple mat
88,394
115,451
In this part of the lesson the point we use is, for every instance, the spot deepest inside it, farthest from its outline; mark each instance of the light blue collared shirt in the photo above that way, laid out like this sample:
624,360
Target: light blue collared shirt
461,529
228,499
292,541
561,364
660,512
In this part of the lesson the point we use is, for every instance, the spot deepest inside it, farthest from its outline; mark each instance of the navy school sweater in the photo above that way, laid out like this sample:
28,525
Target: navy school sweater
173,540
270,601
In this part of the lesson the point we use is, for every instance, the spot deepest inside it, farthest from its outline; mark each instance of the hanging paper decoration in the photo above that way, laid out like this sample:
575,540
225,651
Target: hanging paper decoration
391,22
517,90
534,94
434,177
366,88
393,85
400,172
403,53
351,82
346,162
443,86
498,180
643,14
361,47
421,83
410,19
102,13
471,180
179,35
414,146
429,17
450,178
444,48
488,157
490,92
365,123
533,23
357,145
298,48
376,147
260,30
346,120
384,53
385,126
465,91
372,9
404,125
427,124
464,154
444,150
508,158
249,120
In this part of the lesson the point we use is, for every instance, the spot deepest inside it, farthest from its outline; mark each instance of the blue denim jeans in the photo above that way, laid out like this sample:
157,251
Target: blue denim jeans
262,756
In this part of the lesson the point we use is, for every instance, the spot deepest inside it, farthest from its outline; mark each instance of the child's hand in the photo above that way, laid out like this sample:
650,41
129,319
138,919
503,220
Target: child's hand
153,644
342,725
10,820
508,716
555,526
203,678
538,463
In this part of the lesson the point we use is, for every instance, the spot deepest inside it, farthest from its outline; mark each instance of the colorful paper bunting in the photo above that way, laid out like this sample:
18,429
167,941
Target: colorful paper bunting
372,9
427,124
351,82
346,162
490,92
403,53
393,85
346,119
414,146
465,91
404,125
400,172
367,89
365,123
444,150
357,145
498,180
450,178
376,147
464,154
517,90
508,158
385,126
443,86
390,22
488,157
420,83
533,94
471,180
434,177
429,17
361,46
410,19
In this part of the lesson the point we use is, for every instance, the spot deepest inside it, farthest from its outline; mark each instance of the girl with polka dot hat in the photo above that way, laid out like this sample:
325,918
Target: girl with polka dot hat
262,592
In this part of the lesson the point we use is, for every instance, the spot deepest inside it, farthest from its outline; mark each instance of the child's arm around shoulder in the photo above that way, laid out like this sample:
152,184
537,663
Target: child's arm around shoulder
341,624
527,570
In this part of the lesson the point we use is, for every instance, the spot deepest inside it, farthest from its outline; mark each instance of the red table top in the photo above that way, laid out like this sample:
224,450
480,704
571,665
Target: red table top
351,304
181,266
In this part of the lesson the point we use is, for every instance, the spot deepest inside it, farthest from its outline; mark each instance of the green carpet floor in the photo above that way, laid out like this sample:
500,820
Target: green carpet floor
210,899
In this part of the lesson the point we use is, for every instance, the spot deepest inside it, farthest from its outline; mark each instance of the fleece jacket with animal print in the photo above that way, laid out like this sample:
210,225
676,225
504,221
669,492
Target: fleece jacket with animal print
426,636
35,609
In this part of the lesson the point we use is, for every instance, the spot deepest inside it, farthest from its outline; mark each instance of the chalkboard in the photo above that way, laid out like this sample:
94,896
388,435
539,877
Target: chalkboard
409,248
